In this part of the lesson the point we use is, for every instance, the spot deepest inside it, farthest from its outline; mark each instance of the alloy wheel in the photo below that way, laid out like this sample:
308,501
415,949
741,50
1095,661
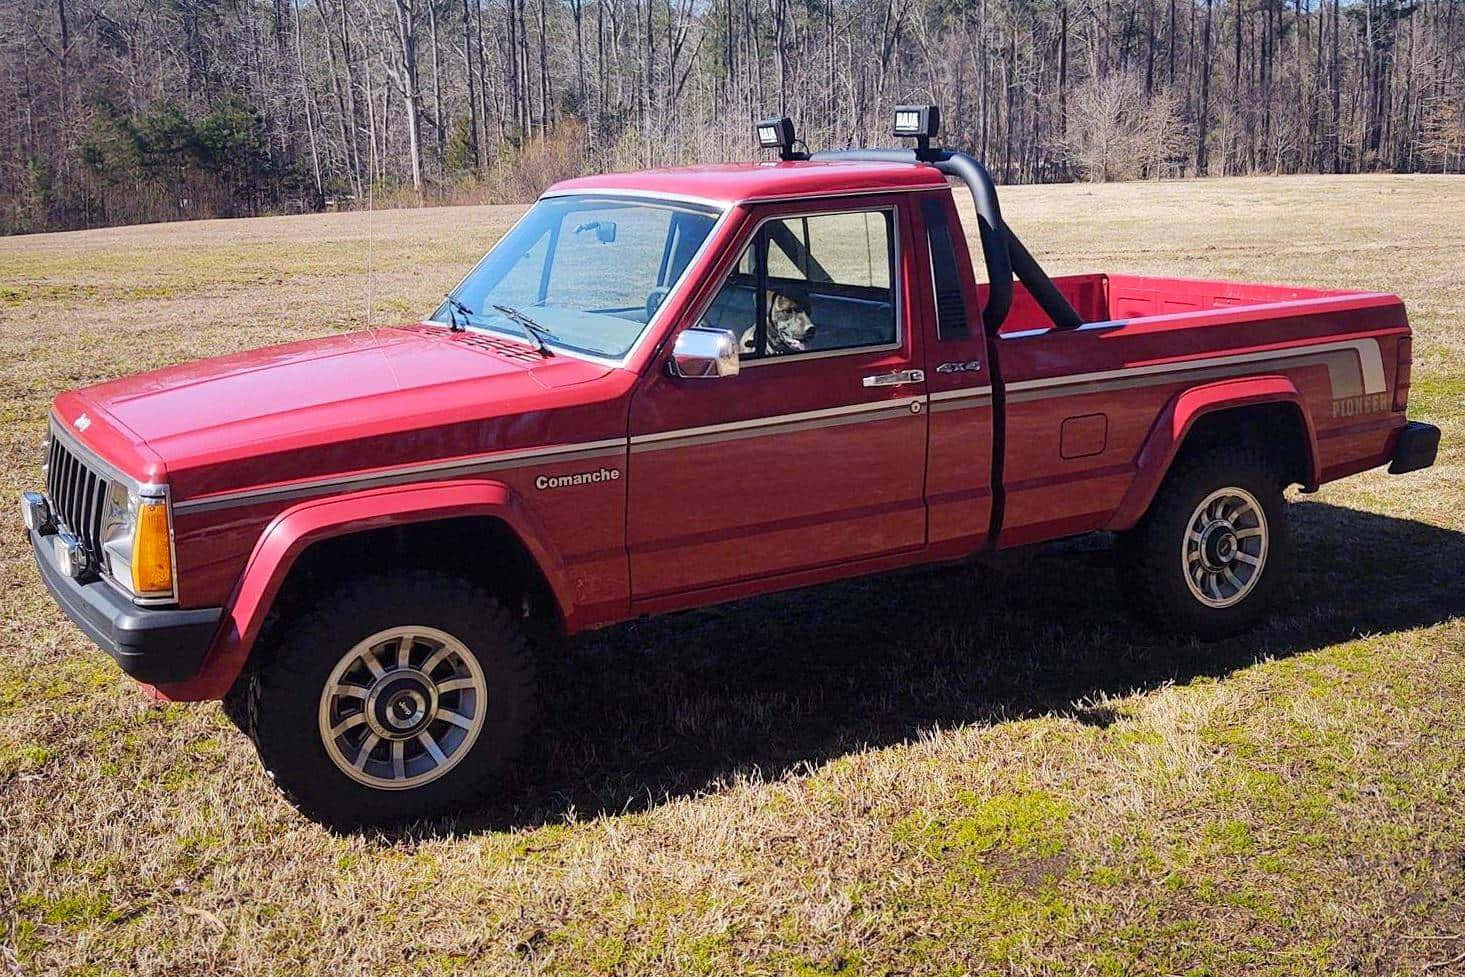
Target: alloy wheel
1224,550
402,707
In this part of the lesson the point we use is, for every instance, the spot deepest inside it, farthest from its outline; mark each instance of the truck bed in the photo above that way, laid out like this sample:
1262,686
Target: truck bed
1081,404
1101,298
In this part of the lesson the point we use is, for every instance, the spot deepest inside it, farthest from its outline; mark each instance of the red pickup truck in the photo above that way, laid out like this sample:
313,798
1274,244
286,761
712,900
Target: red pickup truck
666,389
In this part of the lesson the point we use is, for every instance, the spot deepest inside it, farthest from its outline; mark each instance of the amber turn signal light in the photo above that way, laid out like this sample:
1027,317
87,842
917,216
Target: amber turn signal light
152,556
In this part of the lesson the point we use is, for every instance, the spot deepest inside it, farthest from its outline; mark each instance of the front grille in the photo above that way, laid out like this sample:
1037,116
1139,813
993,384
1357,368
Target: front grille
77,494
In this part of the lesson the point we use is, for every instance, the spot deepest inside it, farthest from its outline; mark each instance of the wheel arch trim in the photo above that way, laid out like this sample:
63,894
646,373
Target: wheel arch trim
1179,417
313,521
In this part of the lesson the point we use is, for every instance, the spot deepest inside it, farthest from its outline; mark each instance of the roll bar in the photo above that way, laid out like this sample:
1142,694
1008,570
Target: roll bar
1003,254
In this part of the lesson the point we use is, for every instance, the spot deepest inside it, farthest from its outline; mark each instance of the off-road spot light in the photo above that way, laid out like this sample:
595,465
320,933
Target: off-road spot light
919,122
776,134
71,556
35,511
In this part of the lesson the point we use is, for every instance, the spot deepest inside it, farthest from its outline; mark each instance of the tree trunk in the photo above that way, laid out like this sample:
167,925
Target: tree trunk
407,34
439,121
577,10
1201,162
305,103
1335,138
544,112
473,116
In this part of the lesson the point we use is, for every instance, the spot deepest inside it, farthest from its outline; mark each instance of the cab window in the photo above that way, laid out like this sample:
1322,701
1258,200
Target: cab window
812,283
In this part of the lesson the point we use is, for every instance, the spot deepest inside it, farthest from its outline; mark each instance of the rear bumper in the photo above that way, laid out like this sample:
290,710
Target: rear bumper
152,644
1416,447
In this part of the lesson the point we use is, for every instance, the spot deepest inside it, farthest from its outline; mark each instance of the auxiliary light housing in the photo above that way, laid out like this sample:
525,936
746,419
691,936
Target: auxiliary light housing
35,511
778,134
919,122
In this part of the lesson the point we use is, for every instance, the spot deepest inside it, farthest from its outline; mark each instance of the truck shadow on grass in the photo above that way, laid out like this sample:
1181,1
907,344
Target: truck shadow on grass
673,707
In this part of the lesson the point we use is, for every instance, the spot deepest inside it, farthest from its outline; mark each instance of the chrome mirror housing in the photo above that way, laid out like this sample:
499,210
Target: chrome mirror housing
704,353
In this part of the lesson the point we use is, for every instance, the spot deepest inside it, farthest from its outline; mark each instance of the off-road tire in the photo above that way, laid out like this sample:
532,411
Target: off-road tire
278,703
1150,557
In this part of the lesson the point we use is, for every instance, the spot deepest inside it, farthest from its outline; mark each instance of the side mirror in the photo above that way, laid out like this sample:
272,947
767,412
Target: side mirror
700,352
605,231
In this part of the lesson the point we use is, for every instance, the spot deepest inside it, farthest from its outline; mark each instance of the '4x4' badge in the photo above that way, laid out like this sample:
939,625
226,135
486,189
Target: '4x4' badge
970,366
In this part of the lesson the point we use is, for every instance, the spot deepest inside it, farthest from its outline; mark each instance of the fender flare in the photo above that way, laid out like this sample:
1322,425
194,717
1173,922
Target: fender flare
296,529
1180,415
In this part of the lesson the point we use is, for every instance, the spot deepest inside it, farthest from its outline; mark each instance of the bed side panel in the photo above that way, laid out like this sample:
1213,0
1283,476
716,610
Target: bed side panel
1081,404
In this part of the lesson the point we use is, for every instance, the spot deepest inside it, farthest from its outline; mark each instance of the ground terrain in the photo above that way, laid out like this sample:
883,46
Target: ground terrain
958,771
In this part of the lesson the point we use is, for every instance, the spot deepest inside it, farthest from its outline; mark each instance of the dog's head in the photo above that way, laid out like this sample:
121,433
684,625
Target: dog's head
790,325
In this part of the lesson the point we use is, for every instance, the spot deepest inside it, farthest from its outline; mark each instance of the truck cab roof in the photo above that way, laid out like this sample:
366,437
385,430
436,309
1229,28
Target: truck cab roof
735,183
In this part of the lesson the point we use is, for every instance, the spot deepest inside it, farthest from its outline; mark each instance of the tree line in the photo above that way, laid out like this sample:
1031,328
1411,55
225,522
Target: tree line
118,111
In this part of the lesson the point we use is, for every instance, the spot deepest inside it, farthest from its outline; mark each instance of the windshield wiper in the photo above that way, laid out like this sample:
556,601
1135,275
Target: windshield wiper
454,309
532,329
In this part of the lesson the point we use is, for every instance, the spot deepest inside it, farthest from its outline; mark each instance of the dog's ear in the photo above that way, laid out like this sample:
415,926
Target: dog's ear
795,298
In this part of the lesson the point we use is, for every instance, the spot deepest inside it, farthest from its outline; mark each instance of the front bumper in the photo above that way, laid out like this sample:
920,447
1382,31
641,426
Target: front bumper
1416,448
152,644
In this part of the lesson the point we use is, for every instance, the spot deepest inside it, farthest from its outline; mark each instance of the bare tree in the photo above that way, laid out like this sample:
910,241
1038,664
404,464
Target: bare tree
404,75
1442,138
151,109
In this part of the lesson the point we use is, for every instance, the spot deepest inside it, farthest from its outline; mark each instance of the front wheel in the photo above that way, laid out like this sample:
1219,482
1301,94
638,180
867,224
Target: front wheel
394,698
1208,557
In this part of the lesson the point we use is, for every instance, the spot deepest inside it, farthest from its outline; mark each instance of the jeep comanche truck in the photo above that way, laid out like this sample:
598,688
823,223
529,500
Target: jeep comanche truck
362,542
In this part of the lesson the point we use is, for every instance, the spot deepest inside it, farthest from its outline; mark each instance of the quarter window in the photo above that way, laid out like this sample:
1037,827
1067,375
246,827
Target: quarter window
812,283
945,278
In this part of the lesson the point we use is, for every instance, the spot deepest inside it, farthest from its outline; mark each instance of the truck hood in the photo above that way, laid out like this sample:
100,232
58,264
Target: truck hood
200,418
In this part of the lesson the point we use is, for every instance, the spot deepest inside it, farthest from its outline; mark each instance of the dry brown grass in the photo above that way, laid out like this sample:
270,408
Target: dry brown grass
957,771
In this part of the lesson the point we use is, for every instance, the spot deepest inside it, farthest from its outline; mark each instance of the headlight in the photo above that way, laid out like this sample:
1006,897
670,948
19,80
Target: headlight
135,541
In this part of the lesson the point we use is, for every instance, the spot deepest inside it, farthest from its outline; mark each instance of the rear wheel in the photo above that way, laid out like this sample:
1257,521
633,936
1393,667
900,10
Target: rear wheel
394,698
1208,557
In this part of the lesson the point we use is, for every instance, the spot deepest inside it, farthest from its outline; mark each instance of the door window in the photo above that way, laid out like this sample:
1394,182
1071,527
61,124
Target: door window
812,283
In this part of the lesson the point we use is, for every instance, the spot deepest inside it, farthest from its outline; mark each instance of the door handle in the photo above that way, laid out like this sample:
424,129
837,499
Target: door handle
895,379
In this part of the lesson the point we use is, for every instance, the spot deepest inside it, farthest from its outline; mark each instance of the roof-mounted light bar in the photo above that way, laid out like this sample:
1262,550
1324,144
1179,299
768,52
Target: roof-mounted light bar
778,134
919,122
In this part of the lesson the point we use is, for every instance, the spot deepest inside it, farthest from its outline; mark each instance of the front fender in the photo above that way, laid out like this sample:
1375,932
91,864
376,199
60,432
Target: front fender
1180,415
297,528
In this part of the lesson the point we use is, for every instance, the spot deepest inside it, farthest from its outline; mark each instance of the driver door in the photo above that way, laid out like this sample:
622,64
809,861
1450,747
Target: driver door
814,454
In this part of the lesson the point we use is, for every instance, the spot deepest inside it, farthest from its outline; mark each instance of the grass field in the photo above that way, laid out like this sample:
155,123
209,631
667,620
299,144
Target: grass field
946,772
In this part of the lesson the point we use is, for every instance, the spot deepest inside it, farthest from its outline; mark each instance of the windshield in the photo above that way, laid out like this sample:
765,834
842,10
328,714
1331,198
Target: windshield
589,272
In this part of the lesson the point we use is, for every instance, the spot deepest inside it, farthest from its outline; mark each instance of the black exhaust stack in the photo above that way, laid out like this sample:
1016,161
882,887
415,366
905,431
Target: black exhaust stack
1004,254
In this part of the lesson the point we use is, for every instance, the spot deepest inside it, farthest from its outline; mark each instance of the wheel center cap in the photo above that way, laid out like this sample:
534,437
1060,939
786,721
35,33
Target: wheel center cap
400,704
1218,546
405,709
